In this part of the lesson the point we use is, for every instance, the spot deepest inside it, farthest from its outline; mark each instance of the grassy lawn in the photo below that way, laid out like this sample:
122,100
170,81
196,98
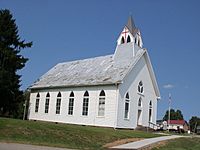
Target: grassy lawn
62,135
181,144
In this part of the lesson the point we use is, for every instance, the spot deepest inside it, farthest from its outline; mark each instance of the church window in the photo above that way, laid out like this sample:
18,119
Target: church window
37,102
135,40
47,103
71,103
102,98
127,101
138,42
58,103
122,40
140,102
150,104
150,111
140,87
85,103
128,39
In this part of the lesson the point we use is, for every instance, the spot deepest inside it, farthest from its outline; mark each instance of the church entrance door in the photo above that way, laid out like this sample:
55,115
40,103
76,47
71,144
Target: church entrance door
139,119
150,115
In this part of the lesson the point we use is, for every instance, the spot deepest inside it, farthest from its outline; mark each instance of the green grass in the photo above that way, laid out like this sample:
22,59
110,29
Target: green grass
188,143
62,135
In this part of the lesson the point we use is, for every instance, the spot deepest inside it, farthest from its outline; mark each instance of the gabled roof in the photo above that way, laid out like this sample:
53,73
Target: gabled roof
93,71
177,122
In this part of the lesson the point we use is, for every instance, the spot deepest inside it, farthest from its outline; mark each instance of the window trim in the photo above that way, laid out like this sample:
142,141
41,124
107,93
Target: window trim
58,103
122,41
37,103
127,112
140,102
140,88
85,106
46,107
150,109
128,38
71,107
102,99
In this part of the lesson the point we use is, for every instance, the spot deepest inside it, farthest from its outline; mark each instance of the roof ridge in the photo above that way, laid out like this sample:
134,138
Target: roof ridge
90,58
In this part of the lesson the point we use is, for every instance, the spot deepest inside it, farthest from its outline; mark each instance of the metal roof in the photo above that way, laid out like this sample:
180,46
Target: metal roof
102,70
178,122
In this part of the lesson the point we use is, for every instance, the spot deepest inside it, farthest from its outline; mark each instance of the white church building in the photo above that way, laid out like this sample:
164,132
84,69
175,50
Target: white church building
118,90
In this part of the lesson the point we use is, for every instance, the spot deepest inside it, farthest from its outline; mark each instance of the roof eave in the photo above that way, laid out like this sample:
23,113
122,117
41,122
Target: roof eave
155,84
72,86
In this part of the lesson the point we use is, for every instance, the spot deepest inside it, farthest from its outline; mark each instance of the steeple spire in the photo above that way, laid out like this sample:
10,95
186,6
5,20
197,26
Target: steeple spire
128,42
130,25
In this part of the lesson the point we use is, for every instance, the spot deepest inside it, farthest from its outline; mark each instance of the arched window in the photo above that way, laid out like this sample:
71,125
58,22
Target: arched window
85,103
140,102
59,94
135,40
102,98
47,103
127,101
58,103
86,93
140,87
122,40
128,39
150,111
37,101
71,94
139,43
71,103
48,95
150,104
127,95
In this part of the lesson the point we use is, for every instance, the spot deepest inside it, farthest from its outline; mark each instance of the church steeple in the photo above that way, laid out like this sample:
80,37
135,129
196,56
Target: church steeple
130,33
130,25
129,41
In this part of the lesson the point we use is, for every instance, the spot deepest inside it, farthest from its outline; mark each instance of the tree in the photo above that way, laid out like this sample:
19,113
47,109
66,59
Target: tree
11,98
174,115
26,104
194,122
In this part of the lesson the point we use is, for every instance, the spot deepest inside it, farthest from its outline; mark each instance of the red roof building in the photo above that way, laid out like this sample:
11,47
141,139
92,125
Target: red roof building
178,124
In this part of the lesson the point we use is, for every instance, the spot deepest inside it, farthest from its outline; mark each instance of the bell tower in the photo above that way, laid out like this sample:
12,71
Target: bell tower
128,42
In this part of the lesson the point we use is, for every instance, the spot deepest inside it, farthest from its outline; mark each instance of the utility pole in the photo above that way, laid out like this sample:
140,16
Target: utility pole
24,109
169,111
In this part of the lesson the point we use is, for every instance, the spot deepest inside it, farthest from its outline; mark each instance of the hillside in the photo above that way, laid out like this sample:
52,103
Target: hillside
63,135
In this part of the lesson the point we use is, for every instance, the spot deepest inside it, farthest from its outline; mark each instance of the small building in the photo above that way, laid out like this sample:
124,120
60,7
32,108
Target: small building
178,125
118,90
198,129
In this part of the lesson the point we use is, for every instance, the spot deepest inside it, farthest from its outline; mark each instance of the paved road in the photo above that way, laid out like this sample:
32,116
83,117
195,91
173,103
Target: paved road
145,142
14,146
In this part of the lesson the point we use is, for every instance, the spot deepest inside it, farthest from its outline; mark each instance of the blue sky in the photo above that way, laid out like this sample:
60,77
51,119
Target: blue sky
67,30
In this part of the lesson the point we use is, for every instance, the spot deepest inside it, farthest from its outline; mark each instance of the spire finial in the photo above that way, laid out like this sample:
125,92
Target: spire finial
130,13
130,24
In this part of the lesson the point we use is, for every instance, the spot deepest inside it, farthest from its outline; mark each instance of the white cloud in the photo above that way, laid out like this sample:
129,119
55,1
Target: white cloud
168,86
